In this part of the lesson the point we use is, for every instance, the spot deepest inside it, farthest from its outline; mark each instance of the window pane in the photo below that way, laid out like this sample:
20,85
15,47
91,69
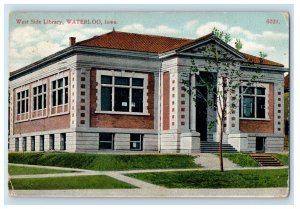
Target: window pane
45,101
19,107
34,91
137,82
122,81
66,81
60,82
106,79
260,91
260,107
248,107
137,100
18,95
45,88
40,102
53,84
106,137
26,93
23,94
59,97
54,98
23,106
26,103
40,89
248,90
34,103
106,98
122,99
66,95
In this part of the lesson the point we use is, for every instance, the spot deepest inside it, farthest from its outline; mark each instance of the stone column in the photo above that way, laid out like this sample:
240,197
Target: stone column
46,142
193,105
57,142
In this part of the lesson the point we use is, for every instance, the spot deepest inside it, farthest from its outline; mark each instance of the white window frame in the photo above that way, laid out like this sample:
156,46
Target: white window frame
43,94
21,99
129,75
255,95
63,87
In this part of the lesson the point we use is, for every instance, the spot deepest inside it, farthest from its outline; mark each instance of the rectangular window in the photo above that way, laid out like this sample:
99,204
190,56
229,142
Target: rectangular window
106,141
24,145
136,142
39,97
60,92
22,102
51,142
63,141
42,146
32,143
122,94
17,144
253,102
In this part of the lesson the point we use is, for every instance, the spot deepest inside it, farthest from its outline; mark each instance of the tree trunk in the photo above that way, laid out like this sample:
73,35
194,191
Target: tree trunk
220,146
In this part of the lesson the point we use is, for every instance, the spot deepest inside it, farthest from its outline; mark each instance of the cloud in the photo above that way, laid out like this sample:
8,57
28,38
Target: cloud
208,27
251,46
190,24
139,28
29,44
23,36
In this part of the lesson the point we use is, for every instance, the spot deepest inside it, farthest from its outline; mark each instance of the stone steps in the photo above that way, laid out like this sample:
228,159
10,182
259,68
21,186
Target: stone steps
213,147
266,160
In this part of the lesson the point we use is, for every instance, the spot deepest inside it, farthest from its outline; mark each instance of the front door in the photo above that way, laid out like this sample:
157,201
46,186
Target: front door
201,112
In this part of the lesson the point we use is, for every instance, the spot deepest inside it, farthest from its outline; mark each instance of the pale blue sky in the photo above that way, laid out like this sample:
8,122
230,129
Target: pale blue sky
31,42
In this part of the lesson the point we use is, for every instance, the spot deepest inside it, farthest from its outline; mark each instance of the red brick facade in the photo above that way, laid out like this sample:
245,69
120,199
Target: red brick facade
256,126
166,101
98,120
45,124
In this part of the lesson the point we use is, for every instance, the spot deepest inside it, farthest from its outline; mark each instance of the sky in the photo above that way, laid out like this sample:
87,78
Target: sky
33,36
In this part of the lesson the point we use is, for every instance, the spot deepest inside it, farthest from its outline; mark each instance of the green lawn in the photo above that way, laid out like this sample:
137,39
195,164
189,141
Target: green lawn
103,162
282,157
74,182
243,160
213,179
22,170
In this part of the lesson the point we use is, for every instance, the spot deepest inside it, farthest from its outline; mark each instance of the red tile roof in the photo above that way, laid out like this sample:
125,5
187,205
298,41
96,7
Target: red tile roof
258,60
153,44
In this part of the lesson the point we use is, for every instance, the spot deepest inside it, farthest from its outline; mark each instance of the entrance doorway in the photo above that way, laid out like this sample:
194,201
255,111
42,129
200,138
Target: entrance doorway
201,112
260,144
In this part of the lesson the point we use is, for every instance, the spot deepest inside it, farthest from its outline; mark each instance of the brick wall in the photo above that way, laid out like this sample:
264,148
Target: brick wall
46,124
256,126
166,101
121,121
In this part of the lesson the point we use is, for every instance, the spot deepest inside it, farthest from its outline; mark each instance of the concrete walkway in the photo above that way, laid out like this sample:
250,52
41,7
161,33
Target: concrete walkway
209,161
212,162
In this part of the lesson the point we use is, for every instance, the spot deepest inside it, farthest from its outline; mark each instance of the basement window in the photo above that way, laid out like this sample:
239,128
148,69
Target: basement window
33,143
136,142
106,141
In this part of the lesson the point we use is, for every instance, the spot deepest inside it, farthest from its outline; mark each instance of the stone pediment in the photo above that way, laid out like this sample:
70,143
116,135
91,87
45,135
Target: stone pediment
211,49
